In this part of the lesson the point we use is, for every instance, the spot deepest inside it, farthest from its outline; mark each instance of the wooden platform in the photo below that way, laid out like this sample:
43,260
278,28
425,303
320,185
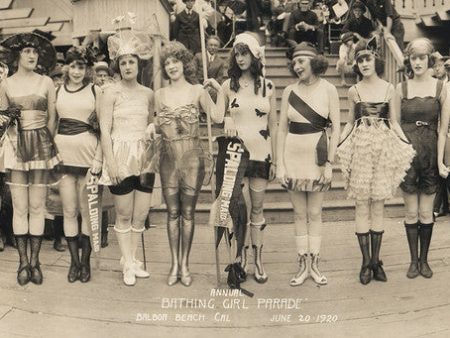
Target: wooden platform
106,308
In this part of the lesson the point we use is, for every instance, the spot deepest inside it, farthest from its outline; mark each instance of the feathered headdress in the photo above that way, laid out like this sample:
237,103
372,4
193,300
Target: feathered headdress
129,41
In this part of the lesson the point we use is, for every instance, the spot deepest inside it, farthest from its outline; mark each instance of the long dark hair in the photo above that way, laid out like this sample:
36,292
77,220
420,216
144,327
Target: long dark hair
234,72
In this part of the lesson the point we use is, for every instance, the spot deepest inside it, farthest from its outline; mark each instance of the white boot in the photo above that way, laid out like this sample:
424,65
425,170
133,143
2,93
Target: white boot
302,274
137,265
257,243
124,239
314,246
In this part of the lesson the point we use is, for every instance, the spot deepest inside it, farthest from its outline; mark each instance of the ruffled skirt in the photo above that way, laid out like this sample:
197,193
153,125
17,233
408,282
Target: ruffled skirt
374,161
35,153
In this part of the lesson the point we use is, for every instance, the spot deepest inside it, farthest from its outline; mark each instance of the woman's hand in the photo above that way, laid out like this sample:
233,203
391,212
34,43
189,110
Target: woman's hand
443,170
113,171
4,120
150,132
96,167
327,173
229,127
281,175
212,83
272,171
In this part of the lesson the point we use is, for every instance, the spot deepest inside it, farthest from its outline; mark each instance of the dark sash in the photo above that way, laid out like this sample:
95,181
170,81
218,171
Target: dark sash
74,127
317,123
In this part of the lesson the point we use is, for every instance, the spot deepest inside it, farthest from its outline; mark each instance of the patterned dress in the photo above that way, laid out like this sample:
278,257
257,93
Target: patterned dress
250,113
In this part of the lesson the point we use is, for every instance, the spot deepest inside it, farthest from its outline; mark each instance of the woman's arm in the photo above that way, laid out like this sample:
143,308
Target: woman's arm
98,158
394,113
106,117
4,103
283,124
215,110
335,117
443,131
51,106
351,120
273,130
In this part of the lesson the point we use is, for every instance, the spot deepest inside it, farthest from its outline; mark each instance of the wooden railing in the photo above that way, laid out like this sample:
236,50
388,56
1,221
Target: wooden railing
393,58
415,7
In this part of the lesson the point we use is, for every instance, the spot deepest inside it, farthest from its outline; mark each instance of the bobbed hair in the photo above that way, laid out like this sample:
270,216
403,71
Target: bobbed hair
319,65
412,48
178,51
234,72
379,62
88,76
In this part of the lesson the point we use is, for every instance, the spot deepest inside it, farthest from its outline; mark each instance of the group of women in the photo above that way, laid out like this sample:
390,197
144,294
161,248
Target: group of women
394,136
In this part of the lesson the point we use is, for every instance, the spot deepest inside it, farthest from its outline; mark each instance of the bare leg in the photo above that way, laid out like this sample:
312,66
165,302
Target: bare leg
314,207
142,203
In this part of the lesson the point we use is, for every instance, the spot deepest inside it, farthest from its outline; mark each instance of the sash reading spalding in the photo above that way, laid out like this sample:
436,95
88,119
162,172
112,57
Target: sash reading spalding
232,161
94,194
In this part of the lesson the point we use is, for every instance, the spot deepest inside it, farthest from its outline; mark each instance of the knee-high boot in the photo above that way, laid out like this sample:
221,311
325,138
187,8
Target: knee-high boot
365,275
23,272
35,266
425,232
377,264
314,248
105,221
86,249
124,239
74,269
257,233
412,234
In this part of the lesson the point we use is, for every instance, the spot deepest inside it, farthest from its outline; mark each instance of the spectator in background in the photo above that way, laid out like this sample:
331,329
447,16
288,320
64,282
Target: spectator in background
186,27
57,76
385,14
439,70
215,65
103,74
303,24
344,65
97,42
322,12
361,26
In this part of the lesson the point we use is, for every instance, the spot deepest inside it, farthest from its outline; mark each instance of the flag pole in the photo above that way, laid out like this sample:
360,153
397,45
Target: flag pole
210,142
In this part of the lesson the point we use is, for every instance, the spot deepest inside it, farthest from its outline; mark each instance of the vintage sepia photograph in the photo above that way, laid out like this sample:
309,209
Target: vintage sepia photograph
224,168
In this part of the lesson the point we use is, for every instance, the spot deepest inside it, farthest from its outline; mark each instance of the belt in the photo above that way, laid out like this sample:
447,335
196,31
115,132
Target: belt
421,123
303,128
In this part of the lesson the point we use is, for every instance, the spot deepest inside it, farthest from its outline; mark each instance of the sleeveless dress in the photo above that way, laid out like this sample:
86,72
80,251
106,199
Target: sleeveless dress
250,113
129,122
77,136
29,146
181,159
419,121
306,142
373,159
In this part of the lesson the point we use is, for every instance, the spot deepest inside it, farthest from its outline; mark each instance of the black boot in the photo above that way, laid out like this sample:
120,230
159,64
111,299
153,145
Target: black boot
58,233
74,269
365,275
2,244
425,232
35,266
377,265
23,273
104,241
85,274
412,234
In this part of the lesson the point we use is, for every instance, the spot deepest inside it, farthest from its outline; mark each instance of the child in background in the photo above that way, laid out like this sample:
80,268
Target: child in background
346,56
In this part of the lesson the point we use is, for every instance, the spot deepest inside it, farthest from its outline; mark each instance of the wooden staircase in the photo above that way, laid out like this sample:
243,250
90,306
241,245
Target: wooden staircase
277,206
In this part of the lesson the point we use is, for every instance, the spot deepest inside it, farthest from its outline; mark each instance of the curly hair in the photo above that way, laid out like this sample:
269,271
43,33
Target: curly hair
178,51
115,64
319,65
411,49
234,72
88,75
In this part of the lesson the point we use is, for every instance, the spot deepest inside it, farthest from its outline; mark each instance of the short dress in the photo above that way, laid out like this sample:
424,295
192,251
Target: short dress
373,158
77,137
306,143
419,121
29,146
181,161
129,122
250,113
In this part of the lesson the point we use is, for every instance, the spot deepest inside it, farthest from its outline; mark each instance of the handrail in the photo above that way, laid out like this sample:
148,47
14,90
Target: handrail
393,57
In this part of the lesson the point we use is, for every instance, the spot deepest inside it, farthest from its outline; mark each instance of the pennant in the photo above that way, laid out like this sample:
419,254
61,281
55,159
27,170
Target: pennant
94,194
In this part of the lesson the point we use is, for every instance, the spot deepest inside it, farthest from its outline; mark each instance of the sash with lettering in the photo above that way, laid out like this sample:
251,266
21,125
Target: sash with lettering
94,194
229,210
